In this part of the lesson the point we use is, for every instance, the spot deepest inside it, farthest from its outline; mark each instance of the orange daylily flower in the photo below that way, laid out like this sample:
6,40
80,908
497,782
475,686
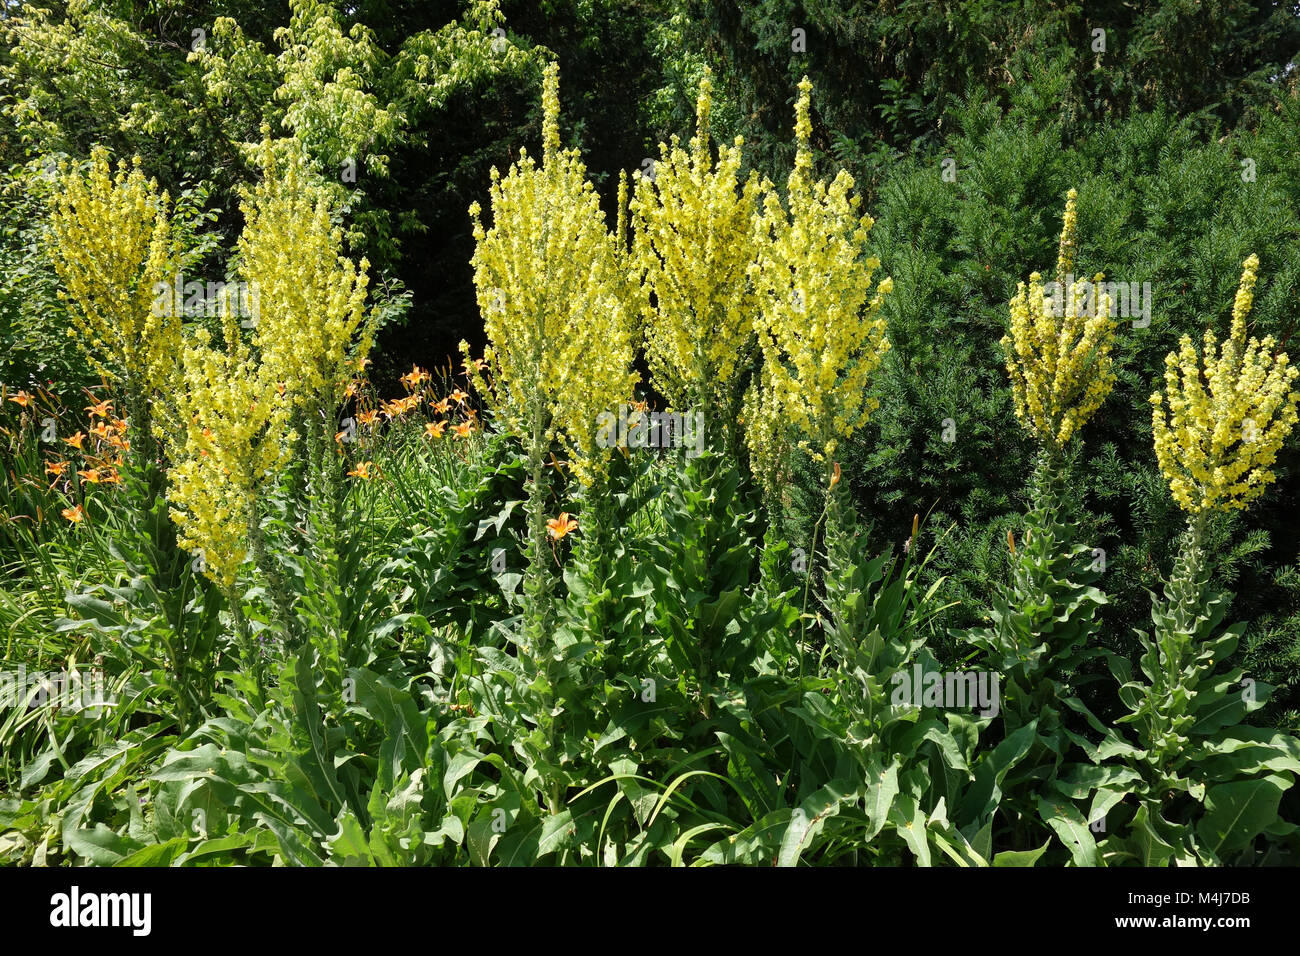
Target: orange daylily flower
74,514
56,468
463,430
442,405
414,377
392,409
367,418
473,364
90,474
459,397
835,475
100,409
641,406
557,528
351,390
76,440
434,429
21,398
111,477
362,471
103,431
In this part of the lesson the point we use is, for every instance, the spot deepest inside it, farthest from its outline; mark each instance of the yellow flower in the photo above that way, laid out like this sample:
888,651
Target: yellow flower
235,439
550,287
1224,414
75,515
1060,364
115,255
818,321
313,327
362,471
699,330
434,429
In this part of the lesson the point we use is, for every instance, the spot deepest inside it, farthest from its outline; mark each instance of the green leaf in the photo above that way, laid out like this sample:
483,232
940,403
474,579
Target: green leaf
1020,857
1235,813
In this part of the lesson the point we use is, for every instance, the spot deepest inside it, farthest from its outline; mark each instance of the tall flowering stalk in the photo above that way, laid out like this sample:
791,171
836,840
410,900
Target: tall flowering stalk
549,281
693,244
112,243
818,320
818,325
312,321
312,325
1058,357
551,284
1058,348
233,440
245,404
1218,426
1224,414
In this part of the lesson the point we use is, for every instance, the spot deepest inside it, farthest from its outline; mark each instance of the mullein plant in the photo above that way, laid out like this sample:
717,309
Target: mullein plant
693,244
1212,785
551,285
313,324
312,328
112,242
233,440
113,245
247,401
817,318
819,326
1058,357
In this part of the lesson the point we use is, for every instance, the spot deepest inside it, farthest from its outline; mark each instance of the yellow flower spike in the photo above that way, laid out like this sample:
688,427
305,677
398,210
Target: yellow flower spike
817,320
1060,364
551,288
112,244
1224,414
313,328
698,321
234,436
